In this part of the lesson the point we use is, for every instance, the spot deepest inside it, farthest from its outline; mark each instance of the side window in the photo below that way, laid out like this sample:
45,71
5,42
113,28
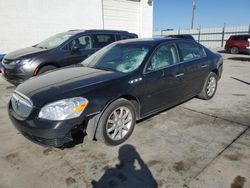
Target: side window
102,40
82,43
191,50
124,37
164,56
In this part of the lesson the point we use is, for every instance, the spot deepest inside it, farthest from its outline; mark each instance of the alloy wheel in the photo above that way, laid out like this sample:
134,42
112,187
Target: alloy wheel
119,123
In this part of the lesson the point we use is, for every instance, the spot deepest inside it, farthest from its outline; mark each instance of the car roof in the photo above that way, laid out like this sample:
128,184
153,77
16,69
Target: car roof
147,41
78,31
240,35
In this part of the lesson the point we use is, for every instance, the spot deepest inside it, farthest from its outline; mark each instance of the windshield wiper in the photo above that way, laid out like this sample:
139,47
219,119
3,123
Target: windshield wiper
104,68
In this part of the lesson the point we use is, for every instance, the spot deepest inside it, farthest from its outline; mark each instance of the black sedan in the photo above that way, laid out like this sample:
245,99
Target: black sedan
112,89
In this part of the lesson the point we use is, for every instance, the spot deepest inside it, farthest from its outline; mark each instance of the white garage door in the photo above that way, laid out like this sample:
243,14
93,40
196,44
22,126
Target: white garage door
122,15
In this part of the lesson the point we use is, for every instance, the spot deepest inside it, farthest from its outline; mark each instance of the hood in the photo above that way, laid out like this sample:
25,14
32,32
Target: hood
25,53
64,83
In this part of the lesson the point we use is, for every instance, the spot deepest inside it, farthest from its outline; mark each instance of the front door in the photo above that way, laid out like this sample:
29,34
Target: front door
78,50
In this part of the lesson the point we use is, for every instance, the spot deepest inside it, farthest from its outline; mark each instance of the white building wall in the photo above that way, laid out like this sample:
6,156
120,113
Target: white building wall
26,22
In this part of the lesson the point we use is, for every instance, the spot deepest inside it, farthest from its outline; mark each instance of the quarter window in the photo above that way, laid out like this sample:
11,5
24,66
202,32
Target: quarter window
102,40
124,37
191,50
164,56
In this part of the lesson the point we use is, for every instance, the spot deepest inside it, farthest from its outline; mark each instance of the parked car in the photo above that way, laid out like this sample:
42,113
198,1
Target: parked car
182,36
1,57
63,49
248,48
237,43
118,85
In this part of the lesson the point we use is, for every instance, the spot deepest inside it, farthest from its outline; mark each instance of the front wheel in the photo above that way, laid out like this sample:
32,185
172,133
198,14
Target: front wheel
117,122
234,50
46,69
210,87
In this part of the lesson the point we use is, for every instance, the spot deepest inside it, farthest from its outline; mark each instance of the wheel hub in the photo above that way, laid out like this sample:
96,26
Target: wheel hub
119,123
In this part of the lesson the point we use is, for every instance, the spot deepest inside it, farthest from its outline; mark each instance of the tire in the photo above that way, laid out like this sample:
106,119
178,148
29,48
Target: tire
46,69
210,87
234,50
113,129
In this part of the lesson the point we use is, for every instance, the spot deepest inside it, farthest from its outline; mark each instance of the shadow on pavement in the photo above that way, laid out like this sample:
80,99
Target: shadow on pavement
240,58
242,81
131,172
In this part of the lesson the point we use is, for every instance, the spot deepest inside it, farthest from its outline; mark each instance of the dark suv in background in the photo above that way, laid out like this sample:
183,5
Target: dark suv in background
238,43
61,50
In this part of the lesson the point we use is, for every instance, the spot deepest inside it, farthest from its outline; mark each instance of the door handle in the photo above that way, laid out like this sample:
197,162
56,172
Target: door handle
203,66
179,75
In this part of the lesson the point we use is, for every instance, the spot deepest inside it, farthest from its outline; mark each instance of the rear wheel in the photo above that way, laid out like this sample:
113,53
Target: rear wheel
117,122
46,69
234,50
209,87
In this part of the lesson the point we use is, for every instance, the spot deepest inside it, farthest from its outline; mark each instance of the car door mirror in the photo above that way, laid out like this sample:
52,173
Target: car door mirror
74,48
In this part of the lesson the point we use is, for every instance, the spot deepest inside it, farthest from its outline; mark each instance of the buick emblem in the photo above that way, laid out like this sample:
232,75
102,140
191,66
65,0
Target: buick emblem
17,104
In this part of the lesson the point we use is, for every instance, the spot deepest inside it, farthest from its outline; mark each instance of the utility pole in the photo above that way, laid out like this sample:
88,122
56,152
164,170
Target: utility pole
193,9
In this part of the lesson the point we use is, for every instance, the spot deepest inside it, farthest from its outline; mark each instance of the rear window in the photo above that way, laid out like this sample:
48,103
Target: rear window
191,50
240,37
102,40
124,37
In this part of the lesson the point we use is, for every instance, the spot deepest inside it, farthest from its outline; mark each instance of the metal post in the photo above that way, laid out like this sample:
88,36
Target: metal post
194,6
249,29
223,34
179,32
199,35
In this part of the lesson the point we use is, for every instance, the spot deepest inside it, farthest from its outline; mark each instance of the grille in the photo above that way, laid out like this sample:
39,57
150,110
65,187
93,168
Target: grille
21,104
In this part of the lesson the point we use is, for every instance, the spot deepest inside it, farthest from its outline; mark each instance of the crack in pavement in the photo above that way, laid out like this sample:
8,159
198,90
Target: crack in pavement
219,154
223,150
214,116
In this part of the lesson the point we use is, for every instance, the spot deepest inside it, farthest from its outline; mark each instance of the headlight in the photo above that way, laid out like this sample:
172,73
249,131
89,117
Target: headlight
64,109
22,61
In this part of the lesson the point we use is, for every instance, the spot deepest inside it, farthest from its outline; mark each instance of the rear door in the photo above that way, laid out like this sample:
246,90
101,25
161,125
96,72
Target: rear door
101,40
196,66
163,79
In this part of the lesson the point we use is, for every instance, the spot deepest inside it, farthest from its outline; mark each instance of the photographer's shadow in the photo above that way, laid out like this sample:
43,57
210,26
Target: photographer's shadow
131,172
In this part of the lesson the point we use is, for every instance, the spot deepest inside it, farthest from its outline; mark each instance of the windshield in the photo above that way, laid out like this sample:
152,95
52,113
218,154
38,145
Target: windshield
54,41
118,57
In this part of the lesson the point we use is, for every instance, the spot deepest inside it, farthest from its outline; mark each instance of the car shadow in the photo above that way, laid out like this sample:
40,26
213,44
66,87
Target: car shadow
242,81
240,58
130,172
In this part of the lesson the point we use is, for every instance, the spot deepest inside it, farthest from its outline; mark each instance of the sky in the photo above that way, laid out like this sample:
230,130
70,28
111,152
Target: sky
174,14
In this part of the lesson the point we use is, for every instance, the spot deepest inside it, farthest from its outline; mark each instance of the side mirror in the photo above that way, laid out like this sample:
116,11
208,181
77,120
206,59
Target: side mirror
74,48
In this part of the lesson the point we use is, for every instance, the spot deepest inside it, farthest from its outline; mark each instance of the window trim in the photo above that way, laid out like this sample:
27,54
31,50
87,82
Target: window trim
145,71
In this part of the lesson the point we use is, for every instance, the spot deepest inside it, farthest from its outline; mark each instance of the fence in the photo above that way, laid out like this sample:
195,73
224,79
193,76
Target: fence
209,37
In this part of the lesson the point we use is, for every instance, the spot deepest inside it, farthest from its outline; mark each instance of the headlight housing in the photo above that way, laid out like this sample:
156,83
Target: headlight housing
64,109
22,61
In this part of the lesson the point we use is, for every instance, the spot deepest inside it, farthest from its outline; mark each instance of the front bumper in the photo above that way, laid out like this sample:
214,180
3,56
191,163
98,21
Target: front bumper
248,50
14,76
46,132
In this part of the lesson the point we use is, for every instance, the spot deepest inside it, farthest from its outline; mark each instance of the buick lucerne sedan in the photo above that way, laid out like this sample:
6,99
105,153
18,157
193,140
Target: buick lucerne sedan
113,88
